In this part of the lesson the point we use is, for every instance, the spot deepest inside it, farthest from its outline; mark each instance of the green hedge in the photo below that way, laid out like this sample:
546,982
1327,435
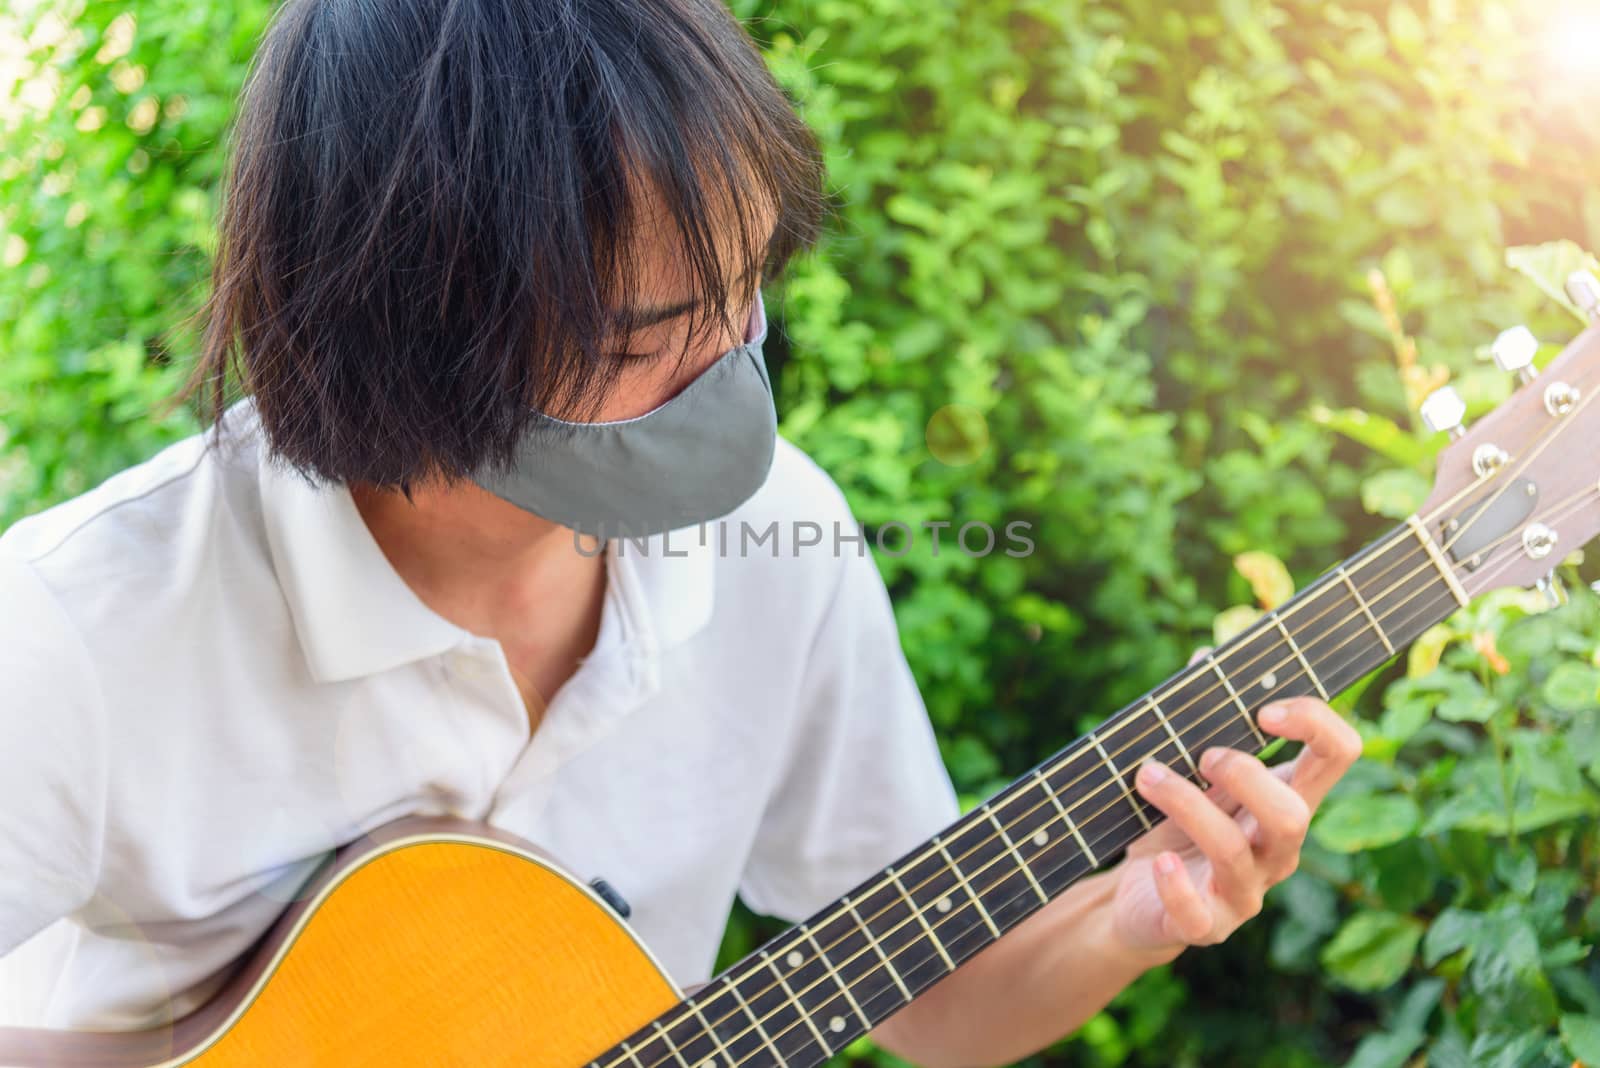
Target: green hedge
1104,268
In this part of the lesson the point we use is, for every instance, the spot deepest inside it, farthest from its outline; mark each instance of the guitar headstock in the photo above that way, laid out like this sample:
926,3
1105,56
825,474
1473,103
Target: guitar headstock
1520,490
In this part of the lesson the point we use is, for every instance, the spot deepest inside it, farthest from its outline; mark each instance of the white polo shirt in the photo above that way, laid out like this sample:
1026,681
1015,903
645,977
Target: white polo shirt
210,676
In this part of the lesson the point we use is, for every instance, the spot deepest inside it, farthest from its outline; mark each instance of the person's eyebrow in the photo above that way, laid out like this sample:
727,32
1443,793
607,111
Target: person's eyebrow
630,319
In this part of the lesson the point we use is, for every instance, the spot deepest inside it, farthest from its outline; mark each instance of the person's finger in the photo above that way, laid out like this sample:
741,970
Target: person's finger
1188,918
1282,816
1199,655
1331,744
1216,834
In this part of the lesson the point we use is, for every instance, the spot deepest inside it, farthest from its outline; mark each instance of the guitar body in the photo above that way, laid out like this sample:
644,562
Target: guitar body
432,942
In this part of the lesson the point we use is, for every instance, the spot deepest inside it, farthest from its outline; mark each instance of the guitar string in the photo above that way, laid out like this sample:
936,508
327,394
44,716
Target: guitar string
1290,662
1578,500
1228,719
1354,568
975,897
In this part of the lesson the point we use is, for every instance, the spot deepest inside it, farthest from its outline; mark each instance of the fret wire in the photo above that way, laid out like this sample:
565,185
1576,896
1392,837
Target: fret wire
671,1046
1438,559
1050,792
716,1040
894,973
760,1030
1152,706
627,1051
962,879
1244,711
1012,846
1294,645
1122,783
1367,610
799,1006
915,911
837,978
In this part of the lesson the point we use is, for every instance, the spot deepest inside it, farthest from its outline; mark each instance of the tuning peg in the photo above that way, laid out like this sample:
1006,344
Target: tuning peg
1555,594
1514,351
1444,410
1584,289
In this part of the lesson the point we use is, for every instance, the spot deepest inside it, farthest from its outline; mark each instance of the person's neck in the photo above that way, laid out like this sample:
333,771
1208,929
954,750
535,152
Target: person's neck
474,558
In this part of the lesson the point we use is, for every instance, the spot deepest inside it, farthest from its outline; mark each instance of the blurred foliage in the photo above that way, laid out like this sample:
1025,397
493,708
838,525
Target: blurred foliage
1145,274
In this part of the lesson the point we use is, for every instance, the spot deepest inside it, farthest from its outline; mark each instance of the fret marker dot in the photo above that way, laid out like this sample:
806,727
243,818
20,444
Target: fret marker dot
1041,838
1268,681
836,1024
943,904
794,959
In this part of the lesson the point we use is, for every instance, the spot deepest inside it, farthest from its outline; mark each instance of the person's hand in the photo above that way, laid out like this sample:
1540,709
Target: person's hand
1196,876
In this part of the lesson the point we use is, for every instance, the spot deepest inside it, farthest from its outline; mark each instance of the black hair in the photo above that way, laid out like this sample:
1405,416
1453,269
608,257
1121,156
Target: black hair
425,211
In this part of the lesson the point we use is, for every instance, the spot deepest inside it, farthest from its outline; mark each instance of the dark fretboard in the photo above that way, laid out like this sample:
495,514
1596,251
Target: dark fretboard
803,996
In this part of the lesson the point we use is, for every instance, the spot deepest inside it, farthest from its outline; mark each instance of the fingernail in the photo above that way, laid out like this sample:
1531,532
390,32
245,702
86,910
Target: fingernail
1274,715
1211,760
1153,773
1166,864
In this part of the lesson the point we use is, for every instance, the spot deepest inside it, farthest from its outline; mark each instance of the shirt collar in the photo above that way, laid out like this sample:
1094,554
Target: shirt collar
355,616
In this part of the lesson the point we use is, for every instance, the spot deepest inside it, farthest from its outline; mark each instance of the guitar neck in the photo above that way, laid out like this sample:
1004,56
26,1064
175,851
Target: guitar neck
803,996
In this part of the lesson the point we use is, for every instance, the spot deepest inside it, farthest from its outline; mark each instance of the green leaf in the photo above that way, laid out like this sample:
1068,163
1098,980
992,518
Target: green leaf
1380,435
1372,950
1582,1037
1451,931
1572,687
1549,265
1395,493
1231,622
1269,579
1356,822
1466,700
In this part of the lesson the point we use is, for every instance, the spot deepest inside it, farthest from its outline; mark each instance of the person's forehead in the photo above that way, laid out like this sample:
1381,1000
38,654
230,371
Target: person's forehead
655,245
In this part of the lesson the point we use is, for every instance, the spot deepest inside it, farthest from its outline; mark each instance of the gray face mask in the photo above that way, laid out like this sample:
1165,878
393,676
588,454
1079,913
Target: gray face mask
693,459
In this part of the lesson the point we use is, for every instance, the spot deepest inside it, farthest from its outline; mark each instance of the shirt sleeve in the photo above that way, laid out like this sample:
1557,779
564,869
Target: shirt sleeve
53,759
862,781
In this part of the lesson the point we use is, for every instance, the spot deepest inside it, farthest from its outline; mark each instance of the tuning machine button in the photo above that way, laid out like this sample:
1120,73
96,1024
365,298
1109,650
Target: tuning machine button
1514,351
1584,289
1444,410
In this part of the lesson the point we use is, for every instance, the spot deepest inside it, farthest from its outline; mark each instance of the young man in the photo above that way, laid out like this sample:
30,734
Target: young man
489,274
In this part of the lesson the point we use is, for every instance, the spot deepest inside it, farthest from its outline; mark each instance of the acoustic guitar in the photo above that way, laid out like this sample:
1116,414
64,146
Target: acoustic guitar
435,942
